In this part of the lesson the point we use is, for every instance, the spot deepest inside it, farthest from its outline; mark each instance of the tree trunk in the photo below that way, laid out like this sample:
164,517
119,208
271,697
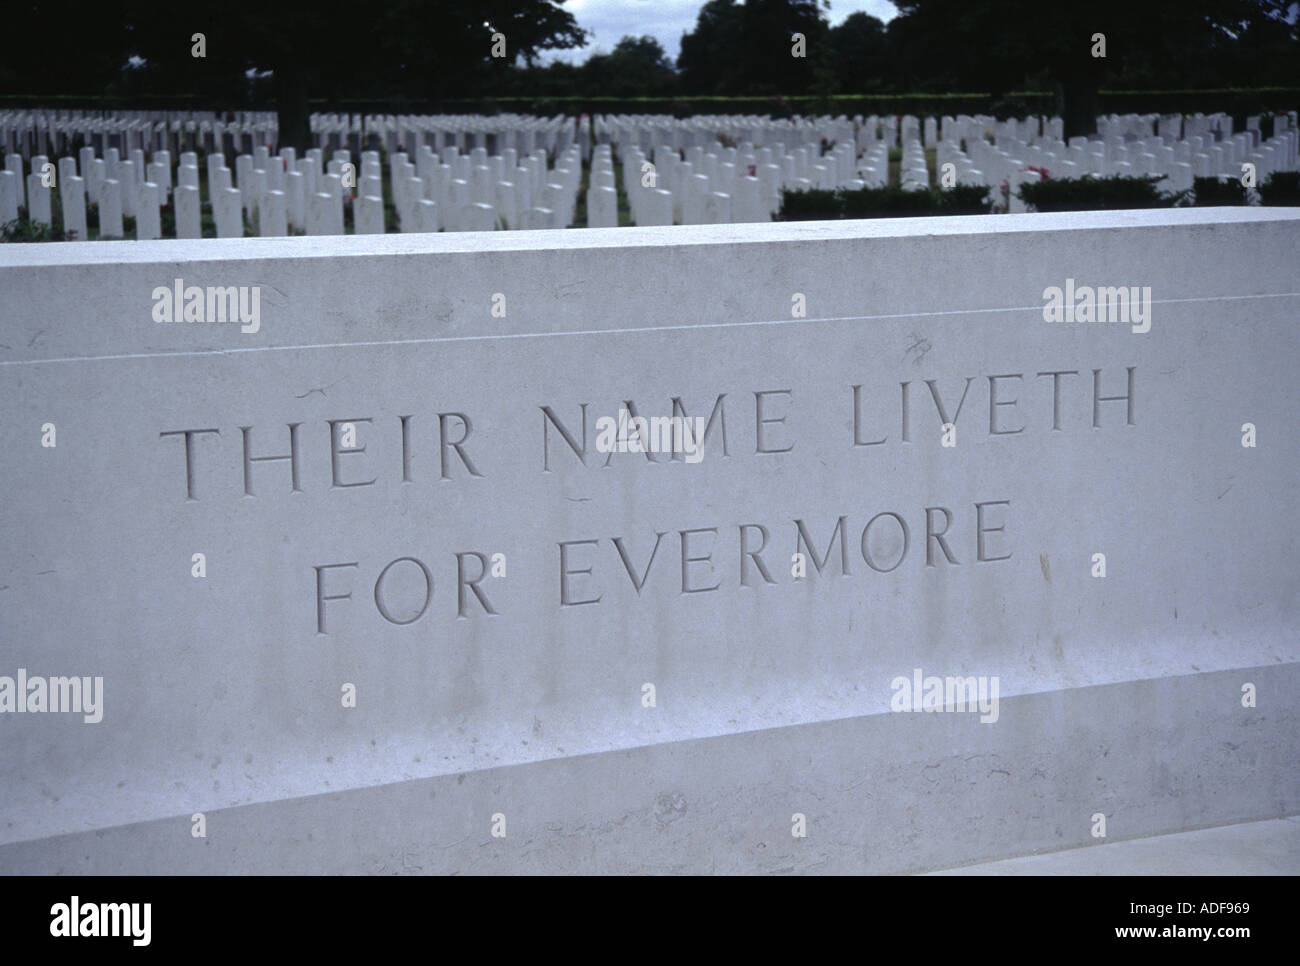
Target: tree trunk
1079,106
291,107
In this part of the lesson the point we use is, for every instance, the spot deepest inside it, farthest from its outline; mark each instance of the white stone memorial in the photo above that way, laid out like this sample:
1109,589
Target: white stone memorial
188,215
110,209
364,547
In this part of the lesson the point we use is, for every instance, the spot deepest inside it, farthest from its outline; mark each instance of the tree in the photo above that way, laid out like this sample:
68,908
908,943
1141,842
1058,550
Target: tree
705,60
995,44
637,67
861,56
414,48
34,34
746,49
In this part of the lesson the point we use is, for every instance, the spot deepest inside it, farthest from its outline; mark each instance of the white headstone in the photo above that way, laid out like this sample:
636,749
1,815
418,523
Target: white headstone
8,196
369,215
554,197
602,208
110,208
747,201
86,158
188,216
717,208
535,218
478,216
426,215
126,177
38,200
457,200
506,204
14,163
67,168
272,214
74,209
244,180
148,223
324,214
228,212
295,194
659,207
98,172
163,160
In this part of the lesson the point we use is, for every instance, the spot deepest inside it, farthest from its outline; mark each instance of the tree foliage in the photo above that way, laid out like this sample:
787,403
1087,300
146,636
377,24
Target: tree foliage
996,45
400,52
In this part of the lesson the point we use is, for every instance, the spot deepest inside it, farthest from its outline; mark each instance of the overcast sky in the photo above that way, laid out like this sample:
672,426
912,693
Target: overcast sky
666,20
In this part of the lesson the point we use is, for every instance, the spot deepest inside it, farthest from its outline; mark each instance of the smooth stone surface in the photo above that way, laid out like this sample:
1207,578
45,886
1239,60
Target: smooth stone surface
228,212
1269,847
426,215
110,209
74,208
38,200
188,215
369,212
8,196
272,214
462,361
148,221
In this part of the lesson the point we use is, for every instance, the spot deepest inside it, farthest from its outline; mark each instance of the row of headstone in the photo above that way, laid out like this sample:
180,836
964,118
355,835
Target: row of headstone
478,191
602,192
407,133
278,194
983,151
119,187
650,132
448,188
1179,149
54,133
740,183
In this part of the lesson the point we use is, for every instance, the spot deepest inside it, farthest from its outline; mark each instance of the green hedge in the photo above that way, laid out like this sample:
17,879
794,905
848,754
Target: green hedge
1237,102
847,104
1212,191
1095,194
1281,188
819,204
23,229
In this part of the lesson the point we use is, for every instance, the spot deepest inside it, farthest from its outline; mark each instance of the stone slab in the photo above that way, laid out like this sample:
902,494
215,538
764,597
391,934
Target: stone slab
1268,847
222,693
